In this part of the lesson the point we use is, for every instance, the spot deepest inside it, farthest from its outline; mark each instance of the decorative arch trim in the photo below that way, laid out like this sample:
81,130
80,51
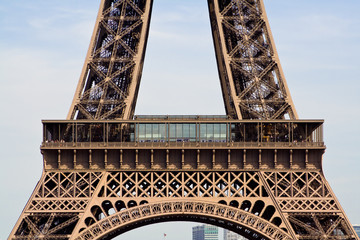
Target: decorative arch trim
205,210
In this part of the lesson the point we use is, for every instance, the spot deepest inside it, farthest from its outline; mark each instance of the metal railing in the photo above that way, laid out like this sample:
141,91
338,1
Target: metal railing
184,133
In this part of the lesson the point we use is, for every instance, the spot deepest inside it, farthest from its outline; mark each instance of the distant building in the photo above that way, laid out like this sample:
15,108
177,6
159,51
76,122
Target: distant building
229,235
205,232
357,229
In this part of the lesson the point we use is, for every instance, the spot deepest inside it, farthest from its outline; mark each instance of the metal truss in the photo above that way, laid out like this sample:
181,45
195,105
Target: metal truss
184,185
256,204
253,84
111,75
102,179
252,81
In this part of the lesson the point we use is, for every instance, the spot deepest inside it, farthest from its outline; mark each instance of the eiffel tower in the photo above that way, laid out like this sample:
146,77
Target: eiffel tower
256,171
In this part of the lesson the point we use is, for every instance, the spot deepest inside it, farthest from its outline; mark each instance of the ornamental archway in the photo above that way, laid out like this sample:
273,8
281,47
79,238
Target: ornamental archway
232,218
258,167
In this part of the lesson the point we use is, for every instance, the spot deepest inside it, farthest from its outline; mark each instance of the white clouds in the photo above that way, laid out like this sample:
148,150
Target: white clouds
323,26
179,11
31,76
182,25
164,36
43,46
182,38
180,74
62,27
40,23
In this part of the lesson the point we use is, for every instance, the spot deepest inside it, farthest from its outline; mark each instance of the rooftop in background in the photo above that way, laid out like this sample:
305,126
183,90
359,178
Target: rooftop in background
205,232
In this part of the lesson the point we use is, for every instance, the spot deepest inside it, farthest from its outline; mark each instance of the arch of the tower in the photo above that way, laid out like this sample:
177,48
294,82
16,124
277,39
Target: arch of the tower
109,219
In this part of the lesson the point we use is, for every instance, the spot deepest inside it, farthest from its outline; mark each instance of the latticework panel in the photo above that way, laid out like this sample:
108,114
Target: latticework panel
252,80
111,76
238,196
301,191
259,204
47,226
54,208
297,184
64,192
68,185
68,205
184,184
321,226
92,205
309,204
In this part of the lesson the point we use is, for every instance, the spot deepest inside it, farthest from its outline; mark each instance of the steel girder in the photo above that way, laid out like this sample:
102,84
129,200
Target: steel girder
110,78
252,81
266,203
253,84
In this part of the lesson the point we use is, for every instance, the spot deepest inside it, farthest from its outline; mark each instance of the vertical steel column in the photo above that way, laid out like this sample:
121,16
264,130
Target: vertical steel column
110,78
252,81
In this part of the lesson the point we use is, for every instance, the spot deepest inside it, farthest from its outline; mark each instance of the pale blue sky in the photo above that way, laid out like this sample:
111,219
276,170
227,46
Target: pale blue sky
43,45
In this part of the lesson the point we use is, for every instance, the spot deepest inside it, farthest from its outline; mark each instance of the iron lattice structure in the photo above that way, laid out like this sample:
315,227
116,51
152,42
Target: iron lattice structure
111,75
252,81
256,171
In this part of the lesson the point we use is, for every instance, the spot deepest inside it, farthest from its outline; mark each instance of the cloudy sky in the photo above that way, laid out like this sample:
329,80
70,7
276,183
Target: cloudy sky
43,45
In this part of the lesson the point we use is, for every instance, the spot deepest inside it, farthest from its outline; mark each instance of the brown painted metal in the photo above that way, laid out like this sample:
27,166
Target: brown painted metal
110,78
251,172
252,80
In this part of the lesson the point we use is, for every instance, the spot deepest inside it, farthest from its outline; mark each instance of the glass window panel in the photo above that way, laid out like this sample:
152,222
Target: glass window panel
220,132
203,132
233,132
162,131
142,132
210,131
217,132
192,132
186,132
179,131
148,132
155,132
172,132
223,135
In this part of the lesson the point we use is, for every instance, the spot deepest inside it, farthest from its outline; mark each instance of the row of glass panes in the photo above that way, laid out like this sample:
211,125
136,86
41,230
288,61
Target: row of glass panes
188,132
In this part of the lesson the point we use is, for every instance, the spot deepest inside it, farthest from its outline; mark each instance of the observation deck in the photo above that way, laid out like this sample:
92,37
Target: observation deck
168,141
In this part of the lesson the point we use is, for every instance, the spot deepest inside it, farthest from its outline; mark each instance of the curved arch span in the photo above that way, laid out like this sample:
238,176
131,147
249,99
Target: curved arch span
234,219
